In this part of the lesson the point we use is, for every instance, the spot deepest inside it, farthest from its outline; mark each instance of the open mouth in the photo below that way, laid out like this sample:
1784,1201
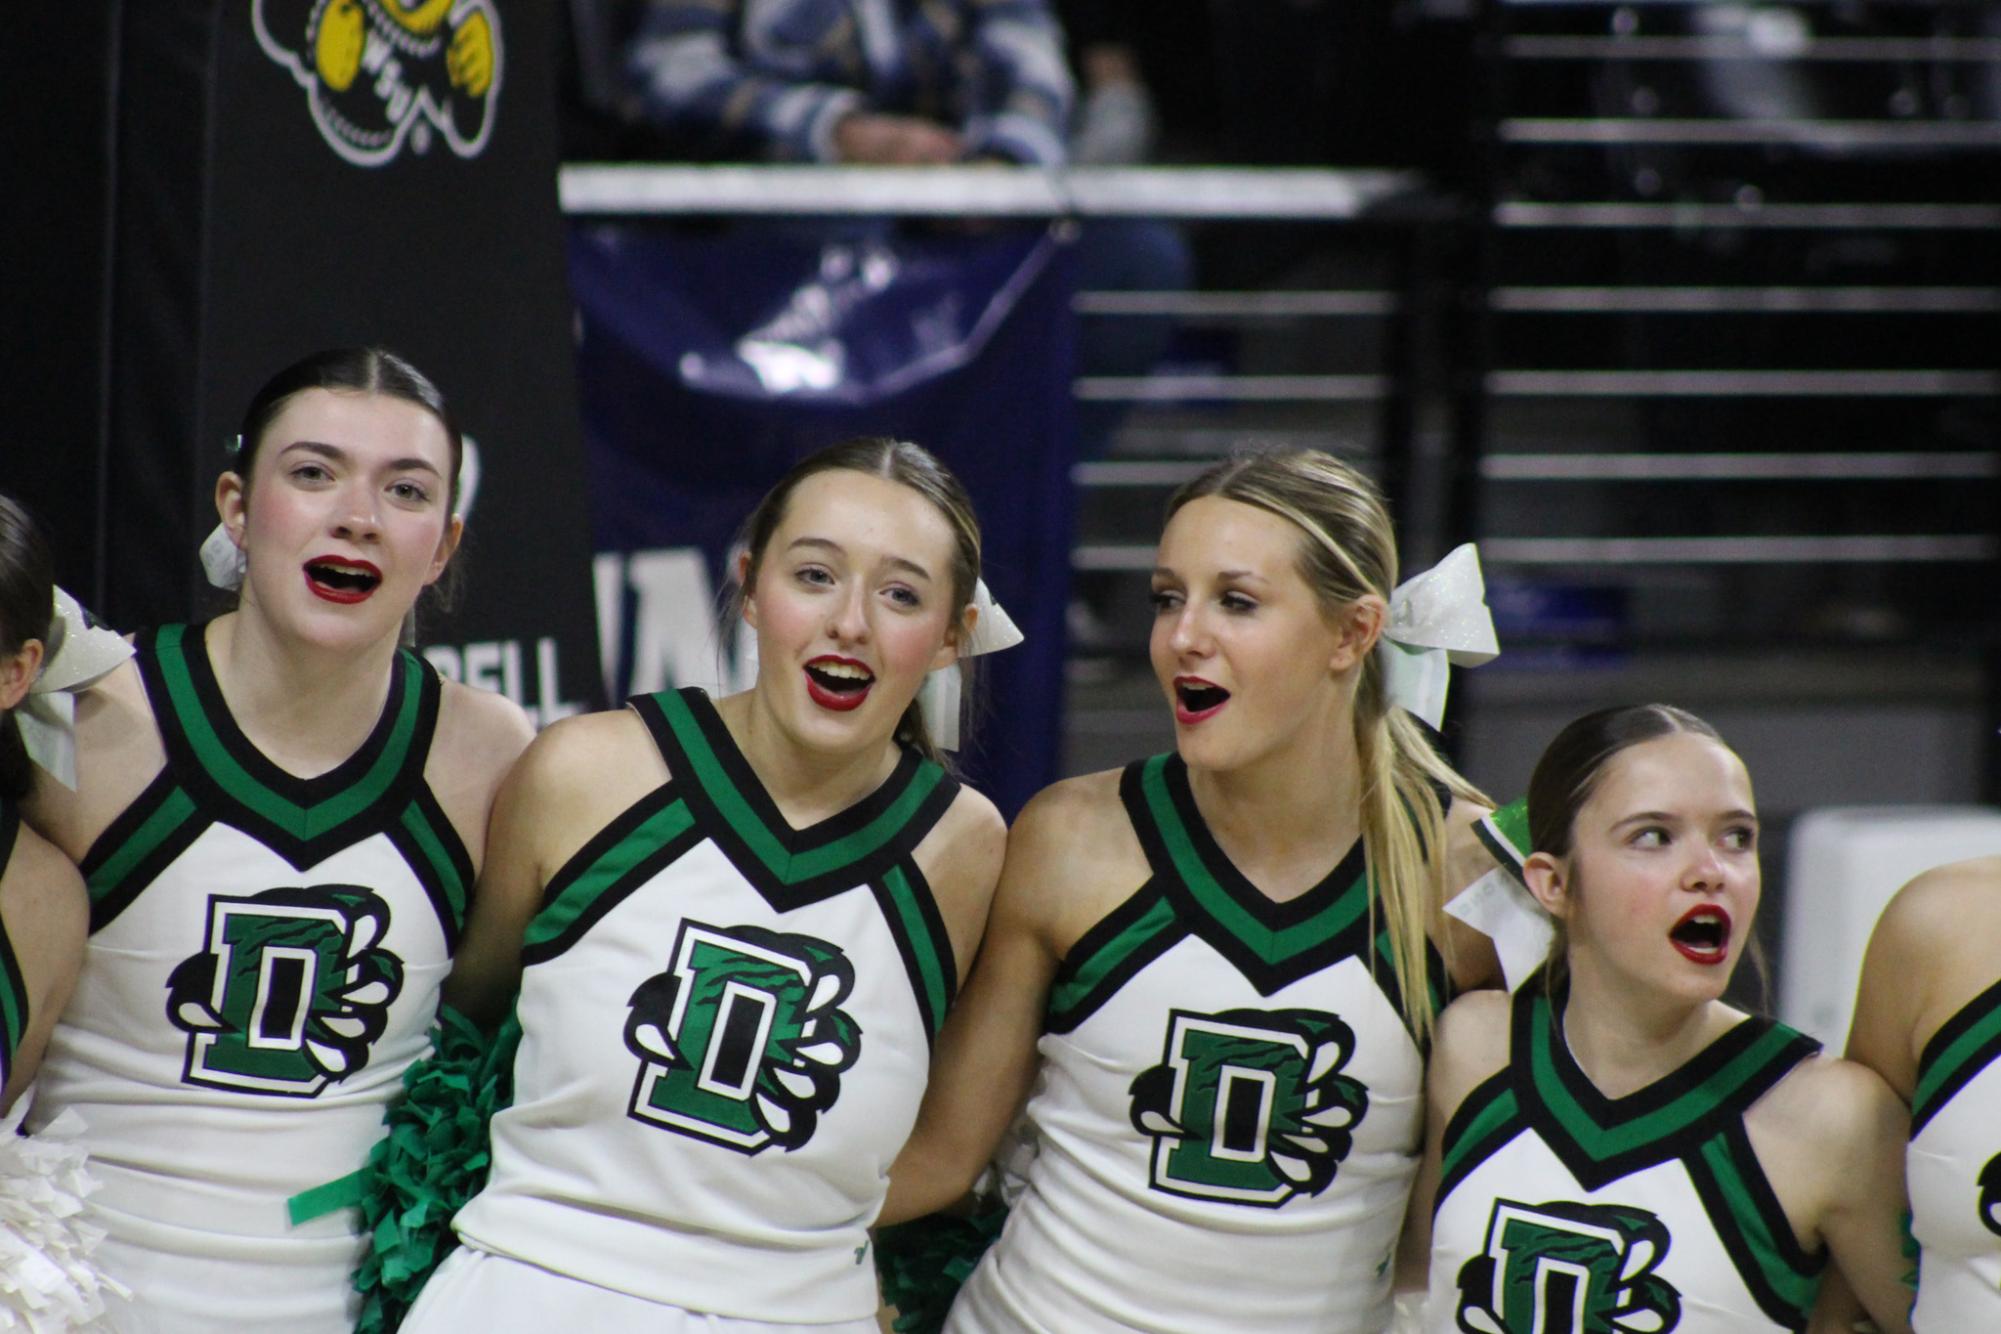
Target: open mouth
1196,699
1703,935
838,683
339,580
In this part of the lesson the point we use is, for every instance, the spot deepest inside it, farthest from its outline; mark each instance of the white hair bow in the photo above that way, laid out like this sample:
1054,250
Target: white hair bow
75,655
1438,620
939,698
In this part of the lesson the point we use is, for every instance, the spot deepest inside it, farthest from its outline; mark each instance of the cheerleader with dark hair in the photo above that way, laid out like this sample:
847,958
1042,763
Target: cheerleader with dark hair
279,815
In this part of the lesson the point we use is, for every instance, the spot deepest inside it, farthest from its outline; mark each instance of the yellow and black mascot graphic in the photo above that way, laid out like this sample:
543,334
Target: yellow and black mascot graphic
380,73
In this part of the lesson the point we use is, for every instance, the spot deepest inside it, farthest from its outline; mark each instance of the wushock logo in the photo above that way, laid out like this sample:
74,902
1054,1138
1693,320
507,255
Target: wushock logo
1564,1268
742,1041
290,993
1250,1106
378,73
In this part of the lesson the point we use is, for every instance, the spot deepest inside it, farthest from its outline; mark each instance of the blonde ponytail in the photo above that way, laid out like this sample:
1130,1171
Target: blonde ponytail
1350,553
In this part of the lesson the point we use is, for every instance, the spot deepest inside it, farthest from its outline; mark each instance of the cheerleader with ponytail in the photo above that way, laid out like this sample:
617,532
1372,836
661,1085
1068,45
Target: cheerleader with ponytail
1229,956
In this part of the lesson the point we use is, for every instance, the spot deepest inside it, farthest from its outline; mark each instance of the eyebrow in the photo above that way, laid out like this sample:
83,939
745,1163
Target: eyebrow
1664,817
828,544
323,450
1165,572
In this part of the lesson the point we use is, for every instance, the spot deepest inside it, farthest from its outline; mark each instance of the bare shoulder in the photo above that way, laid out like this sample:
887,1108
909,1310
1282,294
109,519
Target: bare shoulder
1073,856
40,882
47,913
961,860
1470,1046
119,753
481,729
1943,904
1934,947
610,753
962,852
1079,823
1841,1107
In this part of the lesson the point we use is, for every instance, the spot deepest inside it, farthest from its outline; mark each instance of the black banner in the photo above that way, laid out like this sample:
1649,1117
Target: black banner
285,175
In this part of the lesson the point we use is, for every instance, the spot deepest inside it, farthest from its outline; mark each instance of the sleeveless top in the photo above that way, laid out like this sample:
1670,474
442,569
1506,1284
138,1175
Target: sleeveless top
1230,1107
1560,1208
726,1031
264,958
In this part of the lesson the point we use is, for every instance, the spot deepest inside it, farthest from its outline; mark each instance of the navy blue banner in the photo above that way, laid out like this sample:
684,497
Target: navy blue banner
710,362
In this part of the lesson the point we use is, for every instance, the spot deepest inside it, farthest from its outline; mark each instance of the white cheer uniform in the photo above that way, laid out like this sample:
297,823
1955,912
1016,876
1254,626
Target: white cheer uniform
727,1027
1561,1209
1229,1112
264,960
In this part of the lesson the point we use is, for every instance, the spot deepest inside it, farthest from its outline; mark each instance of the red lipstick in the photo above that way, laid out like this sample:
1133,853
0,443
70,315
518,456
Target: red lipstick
1197,700
838,683
1703,935
342,579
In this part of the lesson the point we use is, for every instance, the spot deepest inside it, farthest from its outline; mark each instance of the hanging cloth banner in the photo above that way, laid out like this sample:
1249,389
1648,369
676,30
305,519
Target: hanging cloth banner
711,362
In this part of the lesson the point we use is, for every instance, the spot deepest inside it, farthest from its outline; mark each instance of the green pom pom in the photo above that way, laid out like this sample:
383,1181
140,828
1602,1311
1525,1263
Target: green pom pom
431,1162
923,1263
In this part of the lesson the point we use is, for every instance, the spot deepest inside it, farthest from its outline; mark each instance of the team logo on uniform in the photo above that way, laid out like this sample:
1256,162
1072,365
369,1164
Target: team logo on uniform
1250,1106
1563,1268
290,992
1990,1195
379,73
742,1041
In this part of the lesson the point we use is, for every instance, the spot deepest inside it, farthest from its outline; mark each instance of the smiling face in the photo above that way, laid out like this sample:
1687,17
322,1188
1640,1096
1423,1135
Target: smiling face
345,518
1661,882
852,601
1243,646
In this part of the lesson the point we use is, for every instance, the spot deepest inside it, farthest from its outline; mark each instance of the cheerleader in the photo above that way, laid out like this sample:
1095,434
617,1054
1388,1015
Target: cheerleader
1928,1019
1616,1147
43,909
278,816
1229,955
737,924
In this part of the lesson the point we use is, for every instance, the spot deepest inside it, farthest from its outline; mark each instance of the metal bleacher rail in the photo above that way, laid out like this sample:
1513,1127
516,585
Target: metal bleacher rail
1632,113
1735,341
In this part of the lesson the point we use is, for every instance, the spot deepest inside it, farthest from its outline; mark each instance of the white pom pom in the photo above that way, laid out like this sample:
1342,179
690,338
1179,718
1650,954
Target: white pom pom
47,1280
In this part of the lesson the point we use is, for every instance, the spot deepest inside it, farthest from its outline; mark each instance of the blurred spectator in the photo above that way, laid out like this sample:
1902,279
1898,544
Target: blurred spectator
1146,75
866,81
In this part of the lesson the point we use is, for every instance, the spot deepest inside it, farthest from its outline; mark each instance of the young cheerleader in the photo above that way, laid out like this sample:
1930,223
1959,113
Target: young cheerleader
1616,1148
737,925
42,905
1228,955
279,816
1928,1019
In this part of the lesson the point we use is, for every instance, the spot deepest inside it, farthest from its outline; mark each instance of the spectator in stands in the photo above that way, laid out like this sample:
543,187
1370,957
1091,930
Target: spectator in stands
873,82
